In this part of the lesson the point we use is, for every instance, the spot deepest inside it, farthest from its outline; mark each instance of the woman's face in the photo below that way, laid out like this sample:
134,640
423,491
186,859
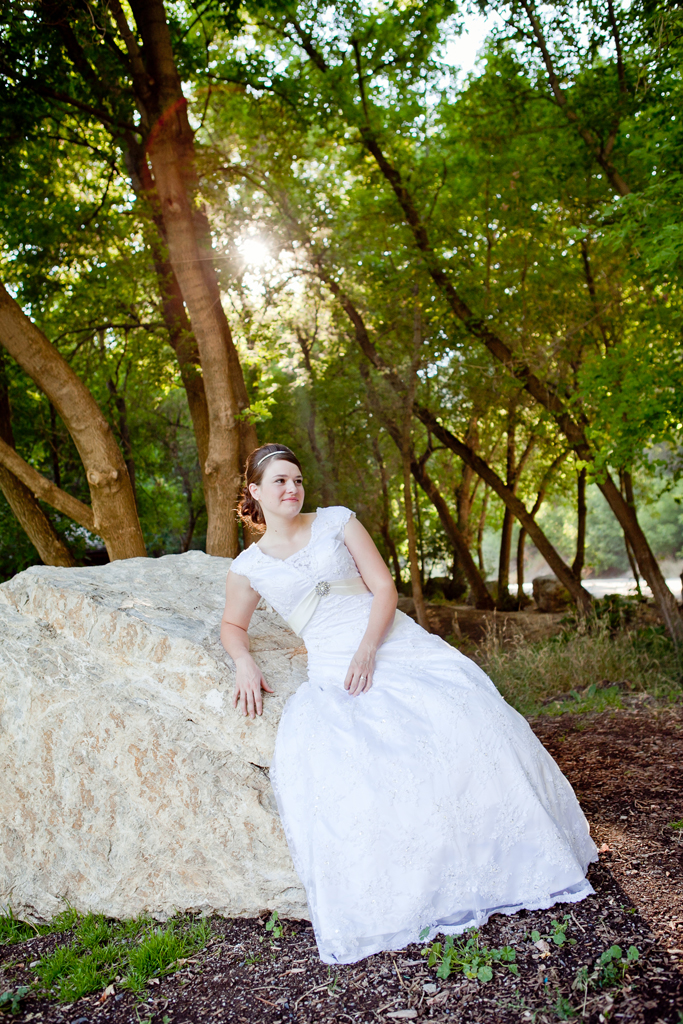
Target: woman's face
281,491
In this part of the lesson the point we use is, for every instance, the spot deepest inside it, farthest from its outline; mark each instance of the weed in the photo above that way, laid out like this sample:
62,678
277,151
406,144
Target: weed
677,826
253,958
466,954
563,1008
275,926
134,951
13,931
608,972
13,998
527,674
558,934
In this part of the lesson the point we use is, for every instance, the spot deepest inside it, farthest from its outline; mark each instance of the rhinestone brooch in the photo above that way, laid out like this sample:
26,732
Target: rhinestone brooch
322,589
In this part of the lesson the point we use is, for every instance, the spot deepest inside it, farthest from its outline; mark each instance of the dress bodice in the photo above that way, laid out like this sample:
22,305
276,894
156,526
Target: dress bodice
284,582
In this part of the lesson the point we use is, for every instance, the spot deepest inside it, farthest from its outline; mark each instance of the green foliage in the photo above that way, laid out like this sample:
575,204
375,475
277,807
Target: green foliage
469,956
274,926
609,971
12,999
100,950
13,930
558,934
567,666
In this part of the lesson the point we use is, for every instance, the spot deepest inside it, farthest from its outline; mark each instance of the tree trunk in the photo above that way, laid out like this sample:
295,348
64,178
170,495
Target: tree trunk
482,598
581,515
418,596
385,520
113,504
626,515
480,531
626,481
562,571
508,518
521,543
170,145
40,531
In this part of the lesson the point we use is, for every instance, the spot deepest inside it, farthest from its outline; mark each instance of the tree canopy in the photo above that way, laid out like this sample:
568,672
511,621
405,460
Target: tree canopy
458,297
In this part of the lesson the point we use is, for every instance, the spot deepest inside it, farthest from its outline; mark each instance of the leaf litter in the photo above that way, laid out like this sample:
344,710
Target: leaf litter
617,956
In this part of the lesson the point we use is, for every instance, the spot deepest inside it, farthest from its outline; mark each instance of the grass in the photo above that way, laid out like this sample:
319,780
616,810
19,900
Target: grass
100,952
13,930
588,666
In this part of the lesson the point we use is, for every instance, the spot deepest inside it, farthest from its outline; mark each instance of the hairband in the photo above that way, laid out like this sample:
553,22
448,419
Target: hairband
269,455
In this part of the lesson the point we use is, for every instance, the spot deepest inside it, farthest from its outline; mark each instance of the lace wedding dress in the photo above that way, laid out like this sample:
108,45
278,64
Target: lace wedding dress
425,803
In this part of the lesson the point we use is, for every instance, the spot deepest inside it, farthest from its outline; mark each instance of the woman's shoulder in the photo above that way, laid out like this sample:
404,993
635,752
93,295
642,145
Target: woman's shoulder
334,515
242,563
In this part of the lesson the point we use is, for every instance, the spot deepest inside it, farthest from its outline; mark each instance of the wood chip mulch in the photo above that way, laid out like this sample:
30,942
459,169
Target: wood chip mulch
627,768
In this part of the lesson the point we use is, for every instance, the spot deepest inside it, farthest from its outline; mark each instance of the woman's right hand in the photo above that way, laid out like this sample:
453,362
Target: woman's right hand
249,682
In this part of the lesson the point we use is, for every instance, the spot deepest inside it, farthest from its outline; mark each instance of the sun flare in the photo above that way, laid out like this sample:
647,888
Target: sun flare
254,252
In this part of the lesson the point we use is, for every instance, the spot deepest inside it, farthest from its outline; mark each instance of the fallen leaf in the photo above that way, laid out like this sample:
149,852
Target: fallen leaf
542,946
109,991
153,981
430,988
403,1014
295,970
605,848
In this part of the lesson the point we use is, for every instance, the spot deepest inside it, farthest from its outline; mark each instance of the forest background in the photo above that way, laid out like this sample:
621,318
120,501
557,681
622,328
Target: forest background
456,296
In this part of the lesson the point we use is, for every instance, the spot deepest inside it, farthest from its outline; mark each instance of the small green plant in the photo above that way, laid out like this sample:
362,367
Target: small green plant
13,930
558,934
608,972
467,954
275,926
677,826
11,1000
101,951
253,958
563,1008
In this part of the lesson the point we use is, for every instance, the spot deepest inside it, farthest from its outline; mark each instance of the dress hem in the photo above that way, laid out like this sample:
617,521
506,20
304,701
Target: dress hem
398,941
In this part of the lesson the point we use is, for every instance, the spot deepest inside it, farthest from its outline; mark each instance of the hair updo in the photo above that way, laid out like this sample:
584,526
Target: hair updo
248,508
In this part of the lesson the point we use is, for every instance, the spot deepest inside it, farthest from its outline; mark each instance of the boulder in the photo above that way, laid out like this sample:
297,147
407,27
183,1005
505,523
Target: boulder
550,595
130,785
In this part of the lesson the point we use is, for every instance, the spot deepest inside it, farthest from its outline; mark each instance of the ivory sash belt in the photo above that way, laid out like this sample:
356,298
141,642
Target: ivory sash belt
305,608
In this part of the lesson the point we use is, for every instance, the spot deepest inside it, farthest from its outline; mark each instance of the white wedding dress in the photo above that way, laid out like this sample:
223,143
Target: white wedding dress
425,803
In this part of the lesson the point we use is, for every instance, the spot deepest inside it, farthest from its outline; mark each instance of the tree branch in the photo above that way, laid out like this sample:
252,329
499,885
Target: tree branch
43,488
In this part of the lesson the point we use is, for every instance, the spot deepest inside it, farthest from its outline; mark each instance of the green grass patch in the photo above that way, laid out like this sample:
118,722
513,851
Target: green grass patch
588,668
13,930
101,951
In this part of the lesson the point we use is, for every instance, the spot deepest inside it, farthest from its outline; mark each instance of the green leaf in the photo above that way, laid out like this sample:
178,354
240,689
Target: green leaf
535,936
424,933
484,973
632,954
443,970
514,968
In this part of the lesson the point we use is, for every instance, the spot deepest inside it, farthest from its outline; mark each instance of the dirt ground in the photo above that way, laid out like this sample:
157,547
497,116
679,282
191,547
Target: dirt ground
627,769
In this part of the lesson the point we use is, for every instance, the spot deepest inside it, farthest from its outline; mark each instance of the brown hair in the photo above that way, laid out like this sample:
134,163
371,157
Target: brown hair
248,508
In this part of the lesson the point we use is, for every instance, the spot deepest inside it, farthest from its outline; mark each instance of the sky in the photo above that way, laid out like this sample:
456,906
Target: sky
463,50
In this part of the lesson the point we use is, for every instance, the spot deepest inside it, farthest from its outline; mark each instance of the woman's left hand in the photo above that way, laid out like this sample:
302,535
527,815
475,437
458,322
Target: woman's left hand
359,677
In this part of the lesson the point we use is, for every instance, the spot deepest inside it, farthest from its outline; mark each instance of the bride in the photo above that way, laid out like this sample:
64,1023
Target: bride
411,795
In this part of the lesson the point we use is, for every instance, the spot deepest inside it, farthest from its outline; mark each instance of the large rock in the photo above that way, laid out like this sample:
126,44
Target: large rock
129,783
550,595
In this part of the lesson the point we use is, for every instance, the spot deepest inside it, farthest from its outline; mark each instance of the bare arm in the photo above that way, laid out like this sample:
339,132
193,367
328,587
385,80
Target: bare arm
240,602
378,580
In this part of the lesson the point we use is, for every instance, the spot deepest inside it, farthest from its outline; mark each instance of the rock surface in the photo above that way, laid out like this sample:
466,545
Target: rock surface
550,595
129,783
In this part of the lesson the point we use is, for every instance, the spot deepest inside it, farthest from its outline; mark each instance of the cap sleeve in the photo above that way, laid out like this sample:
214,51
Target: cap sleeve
242,563
335,517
